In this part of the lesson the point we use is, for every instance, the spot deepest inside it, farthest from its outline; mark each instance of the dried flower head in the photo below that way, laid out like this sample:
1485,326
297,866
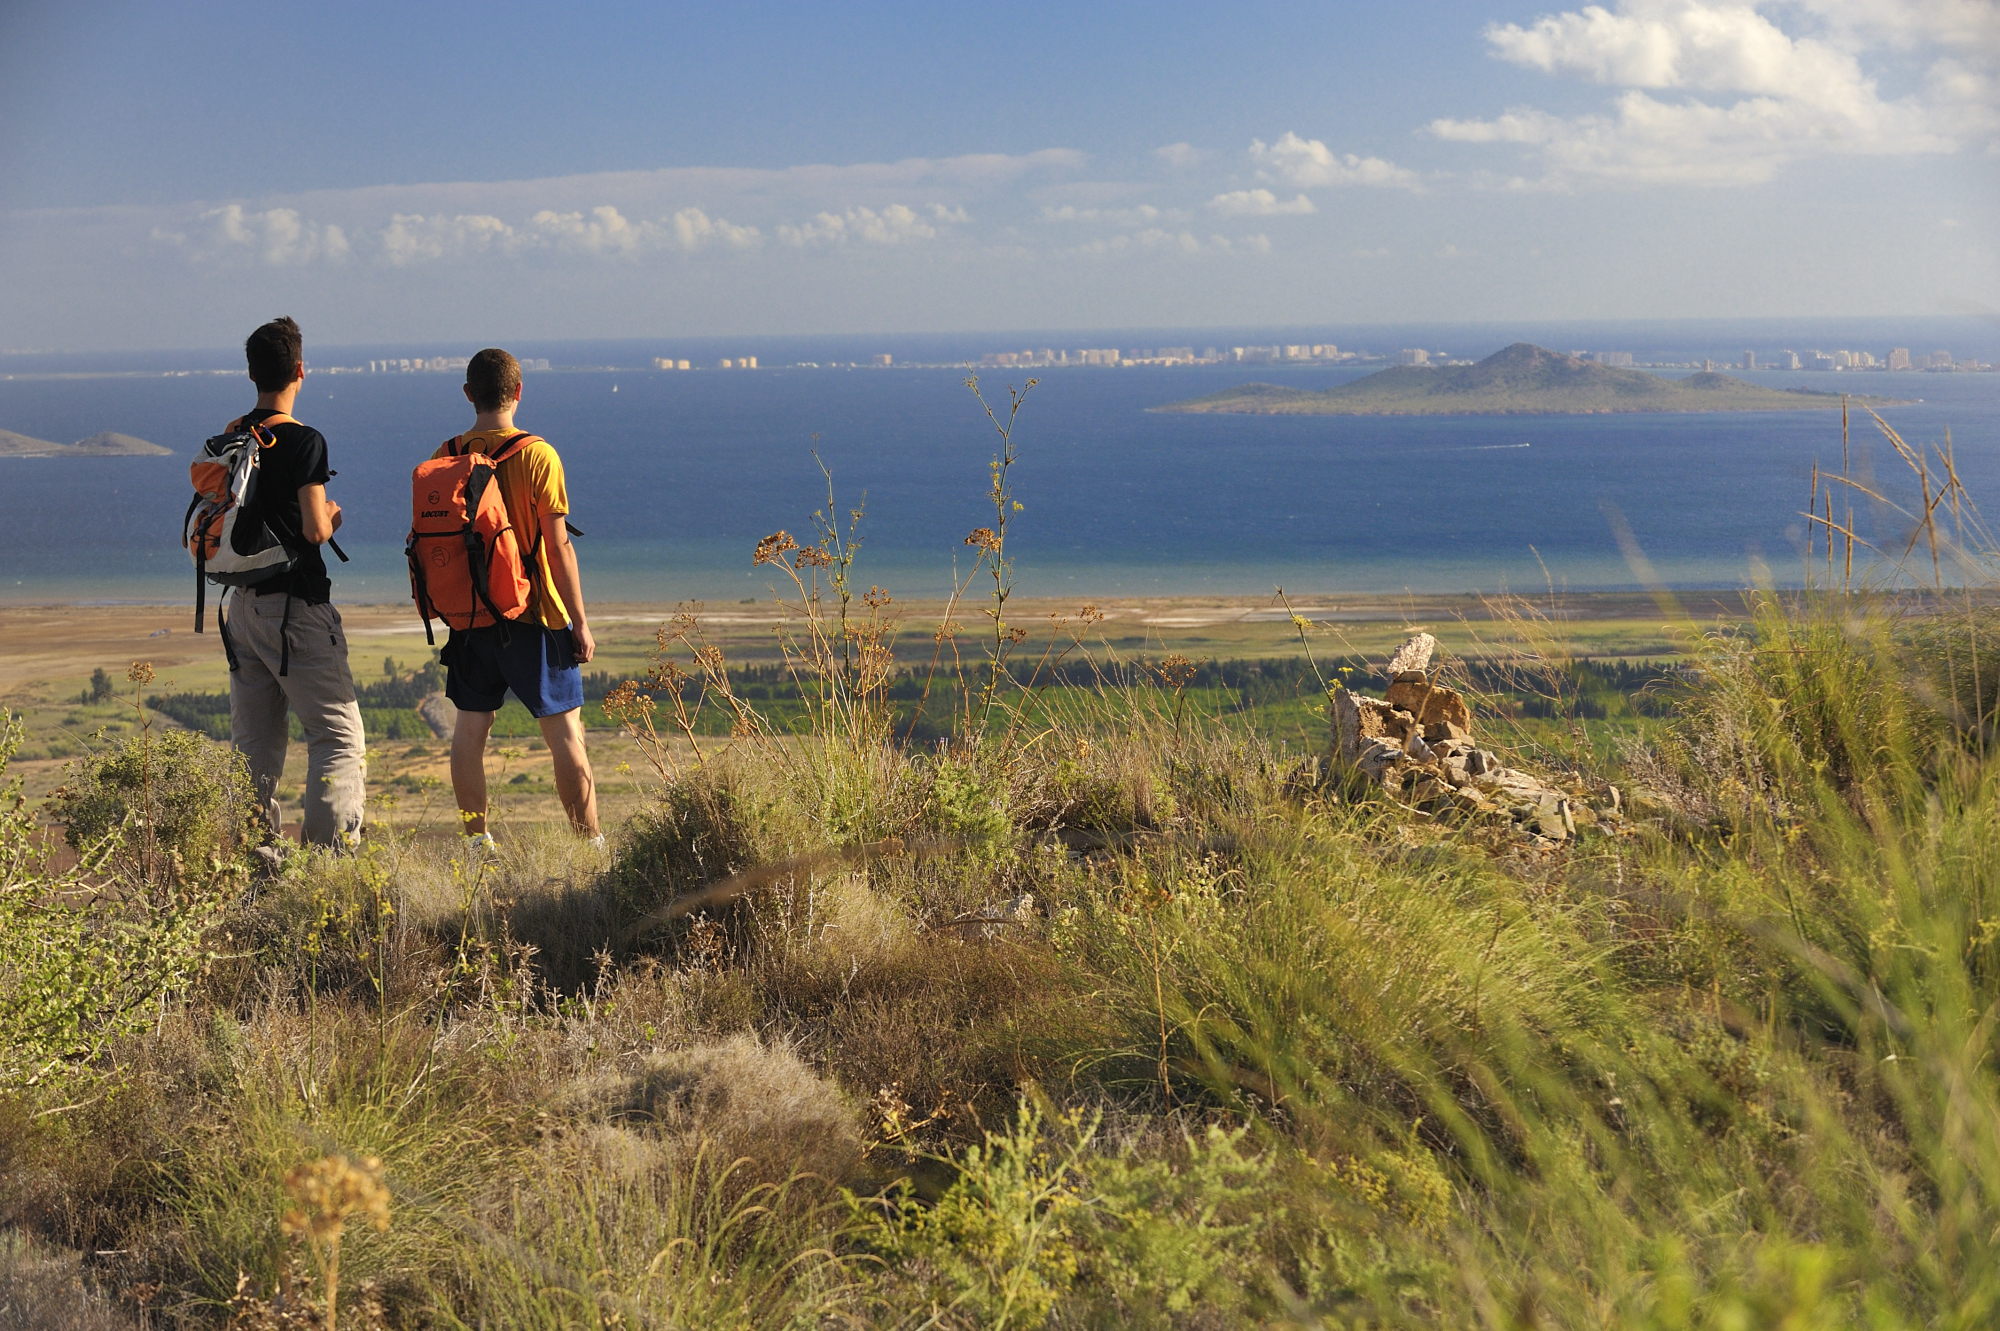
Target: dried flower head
1017,636
628,704
665,676
772,547
984,538
1090,614
1176,672
140,673
329,1191
876,599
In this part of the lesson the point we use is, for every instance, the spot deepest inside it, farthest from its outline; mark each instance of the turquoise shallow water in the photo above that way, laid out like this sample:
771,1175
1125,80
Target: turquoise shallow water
674,476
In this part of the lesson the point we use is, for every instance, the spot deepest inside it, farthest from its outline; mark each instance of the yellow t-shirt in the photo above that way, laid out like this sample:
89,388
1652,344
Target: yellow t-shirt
531,486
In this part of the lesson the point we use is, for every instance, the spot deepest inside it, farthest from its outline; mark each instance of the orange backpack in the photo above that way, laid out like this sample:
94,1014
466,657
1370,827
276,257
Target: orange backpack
466,562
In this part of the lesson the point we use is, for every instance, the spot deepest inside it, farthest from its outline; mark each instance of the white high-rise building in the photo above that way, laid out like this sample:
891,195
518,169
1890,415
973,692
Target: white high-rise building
1413,356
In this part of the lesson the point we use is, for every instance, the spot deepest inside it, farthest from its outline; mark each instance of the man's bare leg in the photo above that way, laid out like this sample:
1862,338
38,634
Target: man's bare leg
468,768
576,785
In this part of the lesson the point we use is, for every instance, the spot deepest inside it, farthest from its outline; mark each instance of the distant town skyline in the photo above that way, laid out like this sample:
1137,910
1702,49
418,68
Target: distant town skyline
631,171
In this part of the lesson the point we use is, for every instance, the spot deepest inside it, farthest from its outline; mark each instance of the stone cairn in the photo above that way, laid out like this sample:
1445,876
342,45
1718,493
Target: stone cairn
1417,745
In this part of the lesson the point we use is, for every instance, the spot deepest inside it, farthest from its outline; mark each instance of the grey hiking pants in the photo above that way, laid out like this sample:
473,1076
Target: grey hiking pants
319,688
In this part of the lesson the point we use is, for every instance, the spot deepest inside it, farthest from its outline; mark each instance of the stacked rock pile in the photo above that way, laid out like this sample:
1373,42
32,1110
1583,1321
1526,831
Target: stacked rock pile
1417,744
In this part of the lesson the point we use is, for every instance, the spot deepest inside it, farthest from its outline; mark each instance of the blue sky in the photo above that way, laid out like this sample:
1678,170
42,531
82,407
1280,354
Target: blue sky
403,172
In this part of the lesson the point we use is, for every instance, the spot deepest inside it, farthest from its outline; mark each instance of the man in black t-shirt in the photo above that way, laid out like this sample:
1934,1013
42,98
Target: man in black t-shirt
287,650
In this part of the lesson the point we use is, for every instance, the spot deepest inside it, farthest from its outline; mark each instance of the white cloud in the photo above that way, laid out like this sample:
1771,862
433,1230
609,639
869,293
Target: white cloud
893,225
1160,240
1178,154
603,230
1308,163
1784,97
1970,25
413,238
694,229
276,236
1145,213
1258,203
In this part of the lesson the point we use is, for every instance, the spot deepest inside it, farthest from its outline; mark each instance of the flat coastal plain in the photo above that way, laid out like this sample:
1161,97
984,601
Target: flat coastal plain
48,655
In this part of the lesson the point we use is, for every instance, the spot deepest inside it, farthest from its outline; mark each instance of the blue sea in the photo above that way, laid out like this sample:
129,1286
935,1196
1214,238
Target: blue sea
674,476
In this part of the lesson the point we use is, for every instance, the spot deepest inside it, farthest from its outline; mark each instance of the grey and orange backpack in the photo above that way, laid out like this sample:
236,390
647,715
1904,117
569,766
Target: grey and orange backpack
228,530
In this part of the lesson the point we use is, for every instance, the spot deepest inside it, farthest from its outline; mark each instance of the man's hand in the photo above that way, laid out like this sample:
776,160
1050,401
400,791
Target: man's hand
586,646
334,509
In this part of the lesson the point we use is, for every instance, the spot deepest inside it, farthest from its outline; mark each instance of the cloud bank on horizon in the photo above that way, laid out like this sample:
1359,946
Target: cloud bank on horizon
1642,115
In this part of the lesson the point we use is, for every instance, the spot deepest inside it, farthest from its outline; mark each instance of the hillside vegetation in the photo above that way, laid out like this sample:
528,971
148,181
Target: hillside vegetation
1105,1014
1523,379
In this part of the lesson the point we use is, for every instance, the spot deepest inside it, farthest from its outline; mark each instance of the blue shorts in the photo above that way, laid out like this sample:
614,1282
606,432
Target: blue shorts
538,664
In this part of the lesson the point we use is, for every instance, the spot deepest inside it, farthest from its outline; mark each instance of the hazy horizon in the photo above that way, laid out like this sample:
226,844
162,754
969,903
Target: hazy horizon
1964,336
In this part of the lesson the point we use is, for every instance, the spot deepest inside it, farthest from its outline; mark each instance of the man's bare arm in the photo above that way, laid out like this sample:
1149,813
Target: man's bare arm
319,517
569,583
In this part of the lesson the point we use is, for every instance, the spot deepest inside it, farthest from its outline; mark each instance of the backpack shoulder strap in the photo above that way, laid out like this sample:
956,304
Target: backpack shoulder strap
511,445
244,422
451,445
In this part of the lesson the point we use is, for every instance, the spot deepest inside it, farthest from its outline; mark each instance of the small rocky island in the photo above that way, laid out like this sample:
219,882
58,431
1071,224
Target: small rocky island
106,445
1524,380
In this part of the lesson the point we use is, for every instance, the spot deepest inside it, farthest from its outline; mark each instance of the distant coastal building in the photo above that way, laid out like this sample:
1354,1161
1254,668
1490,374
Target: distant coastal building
1749,360
1899,358
434,365
884,361
1787,360
542,363
1413,356
1818,360
668,363
1612,357
1938,360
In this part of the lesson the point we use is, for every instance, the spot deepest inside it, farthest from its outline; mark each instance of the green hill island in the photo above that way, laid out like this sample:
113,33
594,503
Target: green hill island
1522,380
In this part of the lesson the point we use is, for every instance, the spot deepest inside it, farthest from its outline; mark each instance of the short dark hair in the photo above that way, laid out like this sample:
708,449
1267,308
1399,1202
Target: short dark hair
493,378
275,353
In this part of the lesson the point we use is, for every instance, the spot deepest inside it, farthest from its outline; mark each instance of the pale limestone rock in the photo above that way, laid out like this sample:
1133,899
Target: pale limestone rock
1412,656
1358,719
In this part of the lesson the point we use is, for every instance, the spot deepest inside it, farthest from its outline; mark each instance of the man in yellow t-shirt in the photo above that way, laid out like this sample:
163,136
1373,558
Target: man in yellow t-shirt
540,661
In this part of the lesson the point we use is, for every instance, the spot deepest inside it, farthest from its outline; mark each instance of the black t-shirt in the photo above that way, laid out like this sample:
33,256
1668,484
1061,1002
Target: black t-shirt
296,460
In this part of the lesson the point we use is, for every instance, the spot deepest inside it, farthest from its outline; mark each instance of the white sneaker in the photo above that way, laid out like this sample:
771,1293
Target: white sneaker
596,842
481,843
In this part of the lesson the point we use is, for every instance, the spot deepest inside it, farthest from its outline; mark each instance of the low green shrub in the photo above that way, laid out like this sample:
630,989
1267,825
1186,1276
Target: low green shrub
85,956
188,798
